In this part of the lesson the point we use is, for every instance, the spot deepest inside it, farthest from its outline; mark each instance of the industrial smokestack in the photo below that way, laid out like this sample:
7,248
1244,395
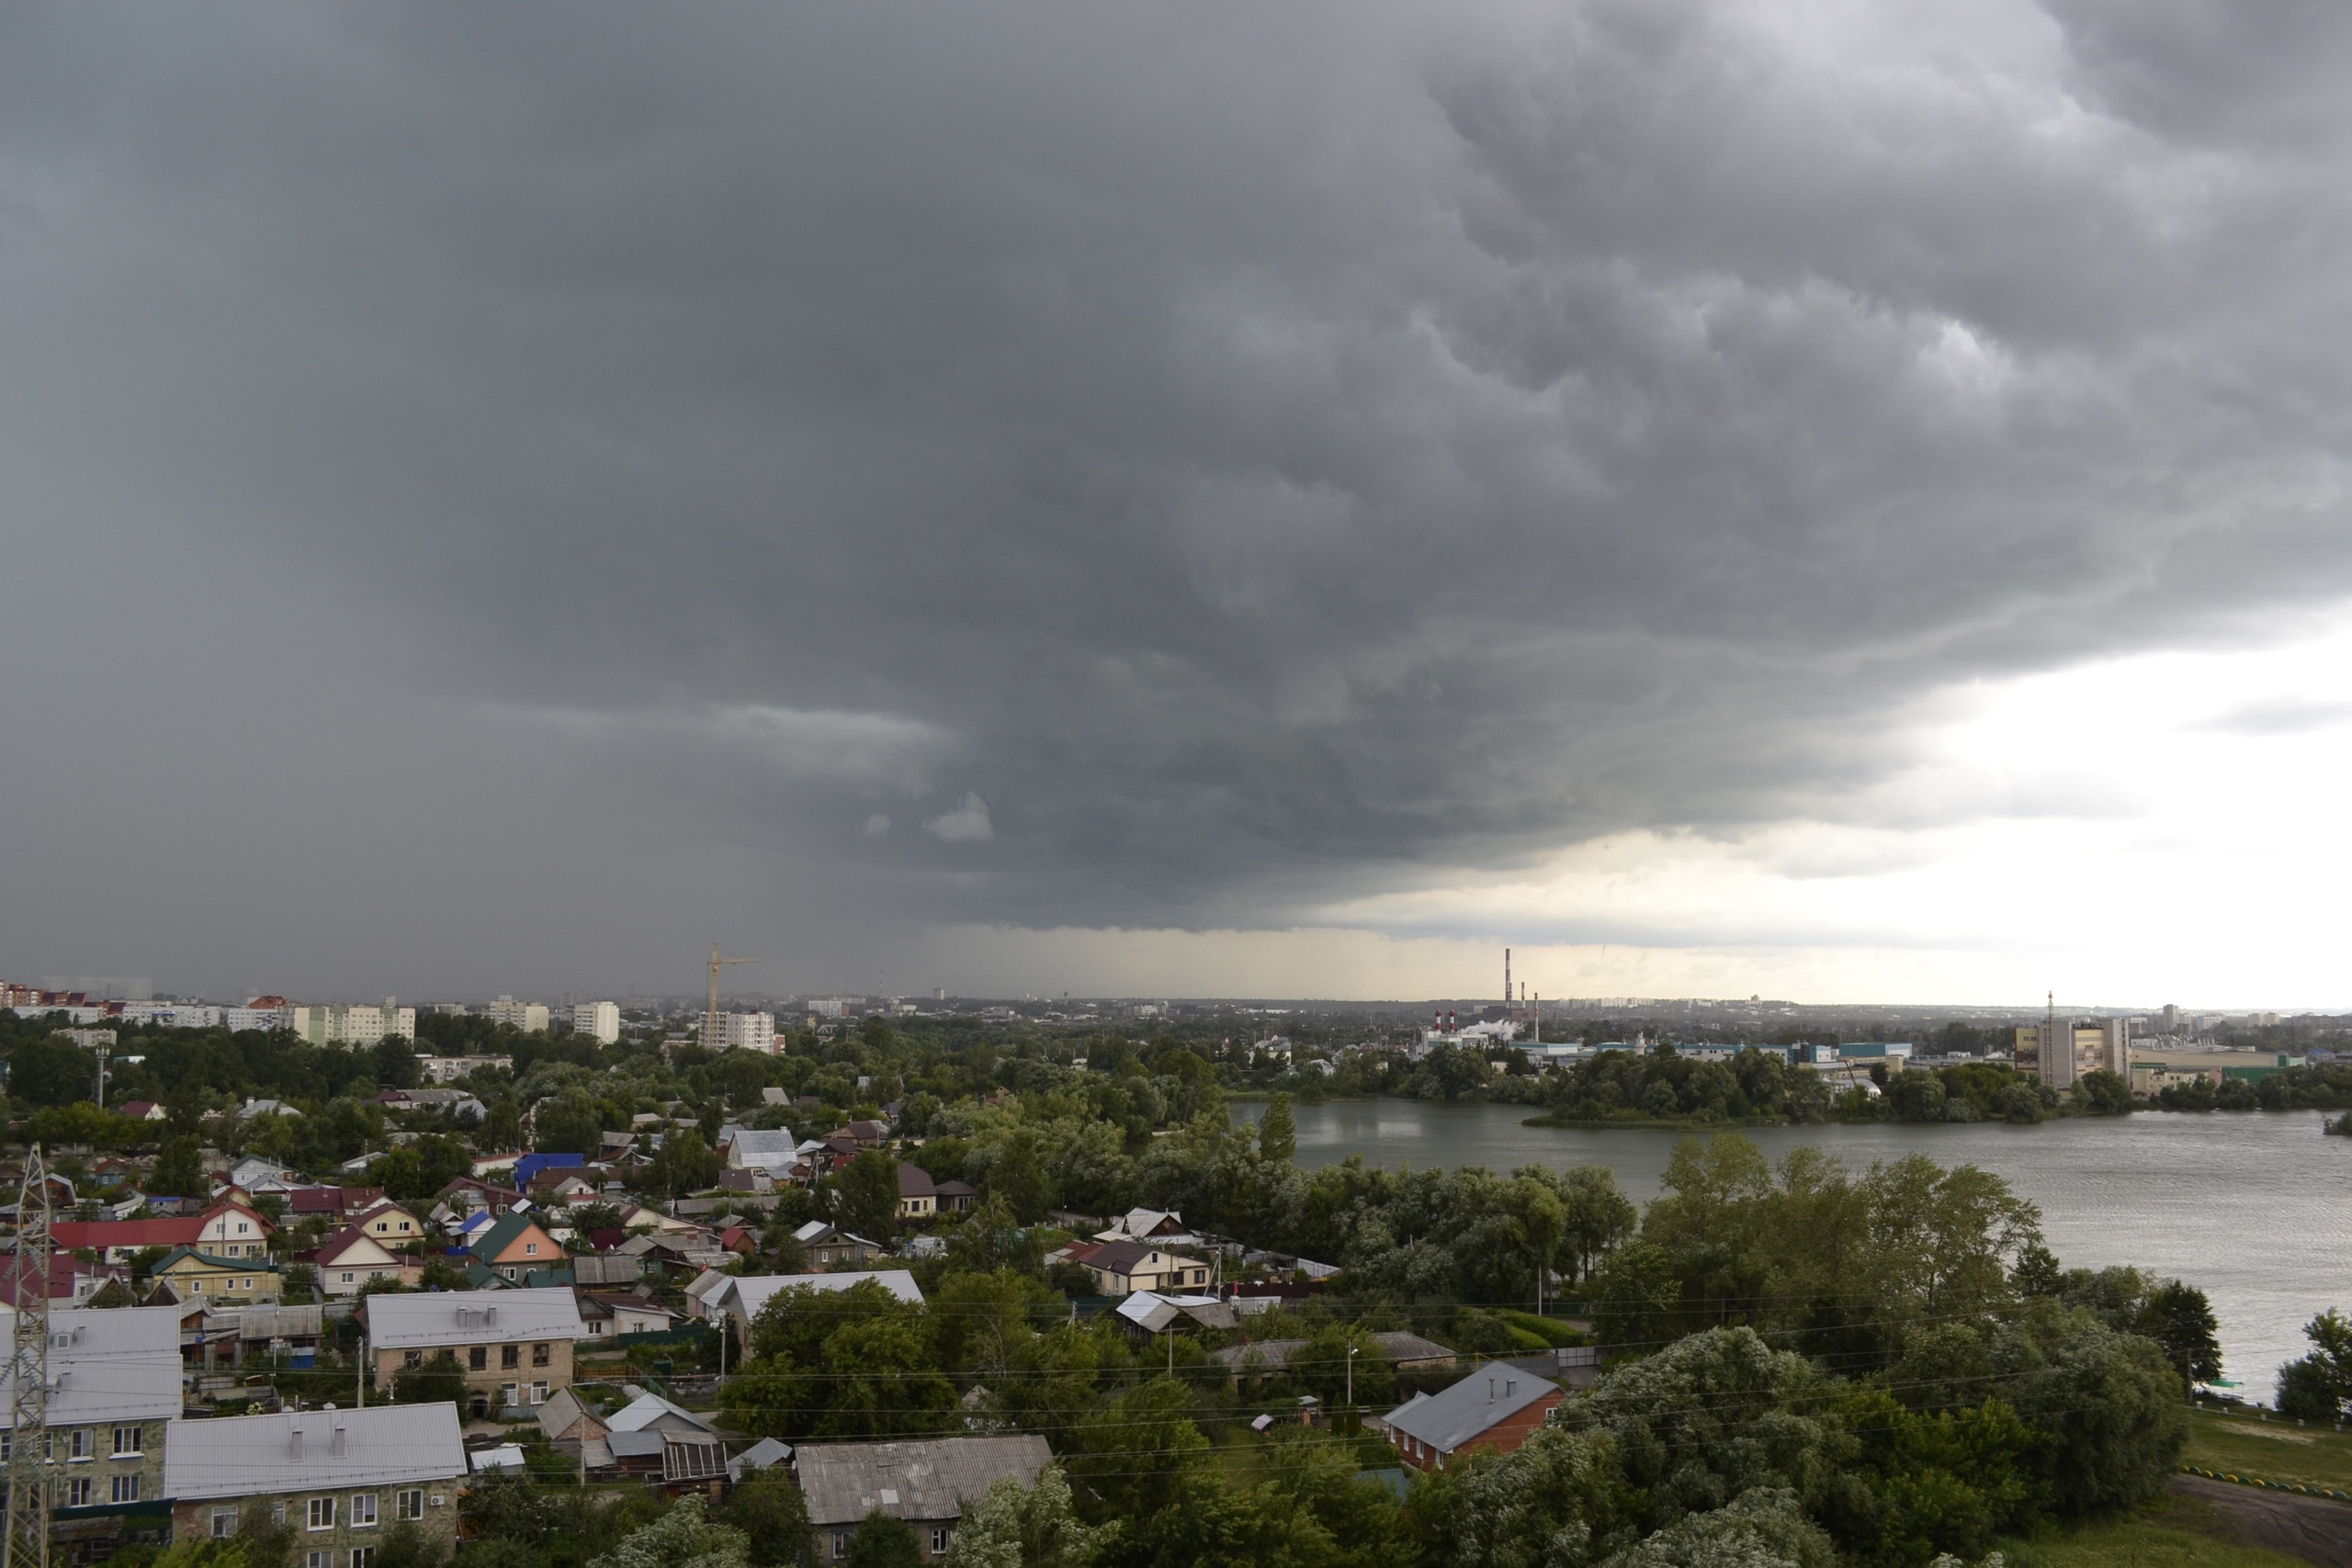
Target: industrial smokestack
1506,977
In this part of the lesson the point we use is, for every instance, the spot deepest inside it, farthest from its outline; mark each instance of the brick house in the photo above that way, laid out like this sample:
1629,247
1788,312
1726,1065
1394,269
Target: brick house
116,1377
340,1479
1491,1411
515,1346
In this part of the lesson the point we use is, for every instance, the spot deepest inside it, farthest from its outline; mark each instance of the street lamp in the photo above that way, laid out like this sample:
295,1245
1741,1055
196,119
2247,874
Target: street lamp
1352,1376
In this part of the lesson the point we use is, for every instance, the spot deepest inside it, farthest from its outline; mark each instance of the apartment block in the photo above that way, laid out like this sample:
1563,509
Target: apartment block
2080,1048
744,1031
515,1346
530,1018
352,1024
599,1021
114,1385
339,1479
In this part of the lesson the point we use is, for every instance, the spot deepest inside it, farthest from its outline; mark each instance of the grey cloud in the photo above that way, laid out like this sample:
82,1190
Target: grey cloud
1265,458
2278,717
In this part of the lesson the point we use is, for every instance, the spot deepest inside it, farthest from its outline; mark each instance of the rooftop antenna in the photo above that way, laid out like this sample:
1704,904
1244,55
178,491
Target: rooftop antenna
24,1543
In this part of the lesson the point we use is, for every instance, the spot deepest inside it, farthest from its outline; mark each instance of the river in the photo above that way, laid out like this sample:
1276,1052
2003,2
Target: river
2255,1208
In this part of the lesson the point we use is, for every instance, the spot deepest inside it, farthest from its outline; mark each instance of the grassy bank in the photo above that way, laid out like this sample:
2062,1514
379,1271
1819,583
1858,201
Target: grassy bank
2175,1532
2275,1450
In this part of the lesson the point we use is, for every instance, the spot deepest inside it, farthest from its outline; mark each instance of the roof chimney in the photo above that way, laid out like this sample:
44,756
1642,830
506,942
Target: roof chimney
489,1317
338,1443
294,1445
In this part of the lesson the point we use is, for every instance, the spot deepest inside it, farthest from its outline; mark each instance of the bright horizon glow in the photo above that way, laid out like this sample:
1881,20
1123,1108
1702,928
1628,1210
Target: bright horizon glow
2164,828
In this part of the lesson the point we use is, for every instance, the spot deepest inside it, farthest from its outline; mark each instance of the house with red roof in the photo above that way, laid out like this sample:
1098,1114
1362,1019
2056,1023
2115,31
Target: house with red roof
224,1230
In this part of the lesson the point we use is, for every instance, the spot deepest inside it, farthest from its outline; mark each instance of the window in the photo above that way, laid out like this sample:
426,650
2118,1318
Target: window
510,1355
224,1523
409,1505
939,1541
840,1546
78,1492
506,1394
363,1510
317,1560
538,1393
82,1443
477,1359
347,1276
362,1555
323,1513
129,1441
530,1250
540,1355
8,1446
126,1487
413,1358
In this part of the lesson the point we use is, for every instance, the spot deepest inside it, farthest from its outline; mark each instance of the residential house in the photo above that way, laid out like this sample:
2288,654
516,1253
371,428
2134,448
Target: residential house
866,1135
608,1314
1493,1410
925,1483
139,1110
338,1479
955,1197
830,1246
335,1203
1121,1267
71,1282
228,1280
1155,1313
572,1428
349,1259
604,1269
224,1230
743,1296
650,1436
255,1173
530,1168
1398,1347
515,1346
388,1222
514,1245
1164,1226
114,1376
918,1193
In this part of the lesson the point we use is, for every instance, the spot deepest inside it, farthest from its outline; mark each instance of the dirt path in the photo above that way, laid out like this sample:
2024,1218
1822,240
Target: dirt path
2312,1529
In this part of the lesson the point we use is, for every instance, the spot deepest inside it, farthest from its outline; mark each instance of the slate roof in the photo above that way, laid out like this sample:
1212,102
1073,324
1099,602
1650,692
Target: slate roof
243,1456
915,1181
403,1322
749,1293
917,1480
122,1364
1450,1417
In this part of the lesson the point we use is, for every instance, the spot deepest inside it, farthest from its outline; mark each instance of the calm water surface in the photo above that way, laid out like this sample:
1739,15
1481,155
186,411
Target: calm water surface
2254,1208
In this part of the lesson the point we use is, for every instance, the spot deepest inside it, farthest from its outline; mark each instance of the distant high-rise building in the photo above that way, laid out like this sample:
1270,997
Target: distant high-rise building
350,1025
743,1032
599,1021
531,1017
2082,1048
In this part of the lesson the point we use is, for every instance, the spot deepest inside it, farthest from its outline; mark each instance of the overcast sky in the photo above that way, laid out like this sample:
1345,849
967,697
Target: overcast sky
1838,500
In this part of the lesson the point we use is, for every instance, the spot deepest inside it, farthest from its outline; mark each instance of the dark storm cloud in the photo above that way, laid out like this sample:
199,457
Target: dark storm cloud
839,468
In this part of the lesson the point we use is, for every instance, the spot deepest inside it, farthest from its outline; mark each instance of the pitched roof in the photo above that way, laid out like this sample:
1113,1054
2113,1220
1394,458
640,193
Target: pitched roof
74,1235
915,1181
352,1239
242,1456
648,1409
922,1480
403,1321
489,1243
234,1265
119,1364
751,1293
1455,1414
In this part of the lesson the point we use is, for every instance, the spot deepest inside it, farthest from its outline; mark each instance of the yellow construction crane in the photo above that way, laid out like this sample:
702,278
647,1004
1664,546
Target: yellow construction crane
710,1016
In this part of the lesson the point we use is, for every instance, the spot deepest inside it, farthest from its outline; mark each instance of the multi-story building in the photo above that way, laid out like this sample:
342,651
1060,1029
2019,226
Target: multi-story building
2105,1045
448,1070
743,1032
114,1384
515,1346
265,1013
339,1479
352,1023
599,1021
530,1018
228,1280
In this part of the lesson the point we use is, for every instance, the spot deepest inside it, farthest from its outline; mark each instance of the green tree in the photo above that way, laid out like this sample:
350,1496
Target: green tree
1018,1176
2103,1093
1765,1528
772,1515
1557,1501
406,1546
1277,1133
684,1162
984,1321
2319,1386
48,1069
868,1196
882,1541
437,1381
2179,1319
1012,1526
683,1538
179,1172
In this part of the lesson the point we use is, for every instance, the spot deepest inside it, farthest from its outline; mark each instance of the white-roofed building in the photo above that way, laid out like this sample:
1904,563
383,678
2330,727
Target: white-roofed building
742,1298
114,1384
515,1346
926,1484
340,1479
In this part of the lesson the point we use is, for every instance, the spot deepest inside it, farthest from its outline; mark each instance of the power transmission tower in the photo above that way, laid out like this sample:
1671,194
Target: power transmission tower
24,1543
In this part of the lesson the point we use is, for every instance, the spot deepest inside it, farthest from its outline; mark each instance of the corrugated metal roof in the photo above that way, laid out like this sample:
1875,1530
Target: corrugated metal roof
648,1408
241,1456
1450,1417
402,1321
105,1364
924,1480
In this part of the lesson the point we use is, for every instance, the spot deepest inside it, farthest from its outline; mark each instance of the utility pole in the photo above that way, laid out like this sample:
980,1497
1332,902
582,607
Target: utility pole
1352,1376
24,1543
